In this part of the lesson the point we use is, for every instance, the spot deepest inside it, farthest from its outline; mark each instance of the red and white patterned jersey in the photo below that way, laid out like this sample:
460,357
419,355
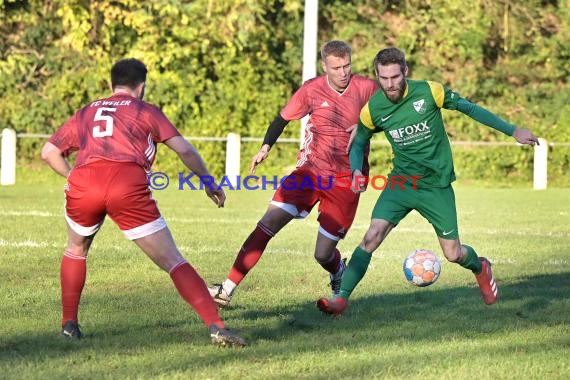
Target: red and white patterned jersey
120,128
331,113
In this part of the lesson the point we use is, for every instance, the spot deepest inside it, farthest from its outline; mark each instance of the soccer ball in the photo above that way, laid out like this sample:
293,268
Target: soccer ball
422,267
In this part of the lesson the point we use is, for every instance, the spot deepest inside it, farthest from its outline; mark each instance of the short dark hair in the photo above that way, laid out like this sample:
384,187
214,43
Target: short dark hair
335,48
390,56
129,72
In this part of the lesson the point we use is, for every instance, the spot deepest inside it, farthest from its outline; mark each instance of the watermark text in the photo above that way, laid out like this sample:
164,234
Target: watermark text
341,181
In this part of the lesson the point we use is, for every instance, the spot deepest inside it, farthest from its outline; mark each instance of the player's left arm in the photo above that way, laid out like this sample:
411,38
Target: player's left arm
486,117
53,156
193,161
451,100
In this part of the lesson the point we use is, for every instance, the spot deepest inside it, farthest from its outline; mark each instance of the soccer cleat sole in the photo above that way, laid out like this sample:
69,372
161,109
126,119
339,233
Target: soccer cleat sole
215,292
225,338
221,303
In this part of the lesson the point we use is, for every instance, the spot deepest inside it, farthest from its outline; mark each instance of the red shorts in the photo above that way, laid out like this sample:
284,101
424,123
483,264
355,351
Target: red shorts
303,188
118,189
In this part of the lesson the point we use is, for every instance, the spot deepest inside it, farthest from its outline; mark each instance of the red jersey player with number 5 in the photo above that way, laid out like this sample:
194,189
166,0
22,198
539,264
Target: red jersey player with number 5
116,139
333,101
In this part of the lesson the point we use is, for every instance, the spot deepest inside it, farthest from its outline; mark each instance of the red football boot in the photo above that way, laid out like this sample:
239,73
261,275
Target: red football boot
334,306
487,284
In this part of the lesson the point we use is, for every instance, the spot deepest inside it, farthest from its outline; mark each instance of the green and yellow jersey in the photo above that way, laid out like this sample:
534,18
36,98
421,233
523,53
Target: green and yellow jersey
415,129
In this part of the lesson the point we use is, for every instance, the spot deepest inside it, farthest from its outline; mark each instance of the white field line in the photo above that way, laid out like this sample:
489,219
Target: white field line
29,244
399,257
14,243
355,227
364,227
380,256
43,214
39,244
480,231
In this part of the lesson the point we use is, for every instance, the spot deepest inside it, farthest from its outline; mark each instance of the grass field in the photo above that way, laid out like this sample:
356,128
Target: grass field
137,327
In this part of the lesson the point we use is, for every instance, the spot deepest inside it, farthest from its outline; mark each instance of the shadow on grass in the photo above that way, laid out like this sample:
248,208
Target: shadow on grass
525,302
370,321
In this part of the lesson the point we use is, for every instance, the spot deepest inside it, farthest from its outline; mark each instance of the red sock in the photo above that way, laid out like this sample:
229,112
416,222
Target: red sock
72,277
250,252
333,265
193,290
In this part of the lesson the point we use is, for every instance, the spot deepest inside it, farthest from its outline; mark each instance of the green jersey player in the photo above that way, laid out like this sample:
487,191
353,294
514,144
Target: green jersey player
409,113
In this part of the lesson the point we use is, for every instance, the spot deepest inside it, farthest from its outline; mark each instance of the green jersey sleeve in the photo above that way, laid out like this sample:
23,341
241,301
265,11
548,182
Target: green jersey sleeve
356,155
364,132
485,117
451,100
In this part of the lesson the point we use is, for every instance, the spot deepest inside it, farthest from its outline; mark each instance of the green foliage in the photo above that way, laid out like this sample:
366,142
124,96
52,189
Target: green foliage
218,67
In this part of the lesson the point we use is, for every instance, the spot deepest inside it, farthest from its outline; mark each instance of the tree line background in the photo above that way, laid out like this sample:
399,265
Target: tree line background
229,66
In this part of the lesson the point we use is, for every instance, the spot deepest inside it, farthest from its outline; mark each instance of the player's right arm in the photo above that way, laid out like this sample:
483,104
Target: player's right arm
298,106
60,145
356,156
193,161
54,158
364,132
271,135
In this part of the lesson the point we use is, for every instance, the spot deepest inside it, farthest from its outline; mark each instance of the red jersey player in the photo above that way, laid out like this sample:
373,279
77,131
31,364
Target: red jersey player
333,101
116,139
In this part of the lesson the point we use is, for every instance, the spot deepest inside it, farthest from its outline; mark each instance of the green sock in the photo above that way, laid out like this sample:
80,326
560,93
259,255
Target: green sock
471,261
355,270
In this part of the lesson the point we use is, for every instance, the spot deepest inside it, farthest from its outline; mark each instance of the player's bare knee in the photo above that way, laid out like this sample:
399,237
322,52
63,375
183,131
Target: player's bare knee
80,250
323,256
166,260
325,247
169,263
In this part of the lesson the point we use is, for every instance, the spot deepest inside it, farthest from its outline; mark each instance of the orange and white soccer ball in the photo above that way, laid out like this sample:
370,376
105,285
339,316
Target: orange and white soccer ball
422,267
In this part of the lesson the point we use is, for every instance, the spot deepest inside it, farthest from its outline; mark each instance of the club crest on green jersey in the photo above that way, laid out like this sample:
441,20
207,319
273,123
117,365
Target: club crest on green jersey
420,106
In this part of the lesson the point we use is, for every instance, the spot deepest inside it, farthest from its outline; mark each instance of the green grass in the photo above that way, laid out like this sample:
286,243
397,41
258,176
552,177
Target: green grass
137,327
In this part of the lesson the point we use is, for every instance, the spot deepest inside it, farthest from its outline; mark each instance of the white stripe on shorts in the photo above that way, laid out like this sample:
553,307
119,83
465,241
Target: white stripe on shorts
145,229
81,230
290,209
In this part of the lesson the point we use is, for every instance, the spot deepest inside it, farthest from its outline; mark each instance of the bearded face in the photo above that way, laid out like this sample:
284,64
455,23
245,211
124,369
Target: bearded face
392,80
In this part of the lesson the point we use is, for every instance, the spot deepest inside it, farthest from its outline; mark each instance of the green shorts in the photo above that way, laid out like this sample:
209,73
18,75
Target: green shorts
437,205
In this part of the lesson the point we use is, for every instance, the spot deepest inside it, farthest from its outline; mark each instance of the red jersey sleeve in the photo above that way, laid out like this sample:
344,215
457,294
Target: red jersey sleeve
298,106
162,127
65,138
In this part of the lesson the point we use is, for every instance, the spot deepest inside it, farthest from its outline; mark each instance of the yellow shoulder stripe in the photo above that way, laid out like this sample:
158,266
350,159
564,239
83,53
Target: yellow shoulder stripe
366,118
437,92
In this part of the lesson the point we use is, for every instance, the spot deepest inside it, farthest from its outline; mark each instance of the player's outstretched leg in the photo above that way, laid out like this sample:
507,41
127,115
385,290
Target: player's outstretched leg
247,257
334,306
487,283
225,338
